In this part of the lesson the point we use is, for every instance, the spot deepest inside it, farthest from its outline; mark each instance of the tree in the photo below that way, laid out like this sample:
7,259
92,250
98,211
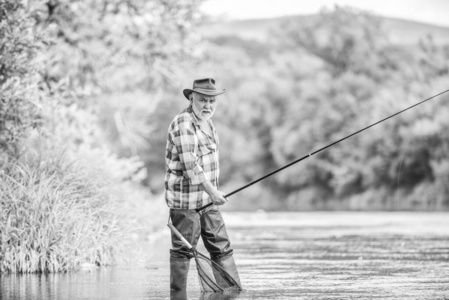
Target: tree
19,94
362,79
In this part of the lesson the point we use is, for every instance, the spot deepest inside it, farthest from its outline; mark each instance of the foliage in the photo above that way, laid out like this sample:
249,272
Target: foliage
108,46
54,217
117,60
324,78
73,76
19,96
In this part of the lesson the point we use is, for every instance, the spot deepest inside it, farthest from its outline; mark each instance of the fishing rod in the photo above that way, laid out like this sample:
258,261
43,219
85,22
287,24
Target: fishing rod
319,150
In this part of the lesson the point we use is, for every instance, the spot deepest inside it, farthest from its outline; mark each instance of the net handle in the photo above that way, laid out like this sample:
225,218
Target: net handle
179,235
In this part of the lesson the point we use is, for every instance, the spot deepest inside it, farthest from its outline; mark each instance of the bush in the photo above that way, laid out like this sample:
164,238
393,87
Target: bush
58,212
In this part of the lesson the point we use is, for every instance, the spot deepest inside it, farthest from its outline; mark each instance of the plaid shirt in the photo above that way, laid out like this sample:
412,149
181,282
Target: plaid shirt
191,157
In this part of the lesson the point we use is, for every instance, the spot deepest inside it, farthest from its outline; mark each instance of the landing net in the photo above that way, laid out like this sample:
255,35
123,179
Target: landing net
212,277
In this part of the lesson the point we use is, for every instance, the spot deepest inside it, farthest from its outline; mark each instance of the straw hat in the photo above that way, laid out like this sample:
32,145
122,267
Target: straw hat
204,86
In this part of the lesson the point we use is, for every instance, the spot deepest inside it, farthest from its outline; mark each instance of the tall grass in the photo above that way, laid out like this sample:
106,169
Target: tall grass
56,214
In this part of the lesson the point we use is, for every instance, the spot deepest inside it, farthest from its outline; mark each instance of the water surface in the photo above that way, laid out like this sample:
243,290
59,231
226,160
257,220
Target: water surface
285,255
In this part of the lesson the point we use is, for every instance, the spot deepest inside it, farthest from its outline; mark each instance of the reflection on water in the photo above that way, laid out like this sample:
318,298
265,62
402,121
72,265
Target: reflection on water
110,283
284,255
182,295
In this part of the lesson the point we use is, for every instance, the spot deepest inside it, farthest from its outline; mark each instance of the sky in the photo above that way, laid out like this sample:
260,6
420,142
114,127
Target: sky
428,11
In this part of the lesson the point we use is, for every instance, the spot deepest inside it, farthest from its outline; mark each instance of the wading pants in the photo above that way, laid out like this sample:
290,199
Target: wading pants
210,226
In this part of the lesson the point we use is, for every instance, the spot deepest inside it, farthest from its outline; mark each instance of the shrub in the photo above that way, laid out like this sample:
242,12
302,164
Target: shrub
58,212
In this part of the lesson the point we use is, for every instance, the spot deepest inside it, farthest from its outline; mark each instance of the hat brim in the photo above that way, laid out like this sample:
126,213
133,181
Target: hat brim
187,92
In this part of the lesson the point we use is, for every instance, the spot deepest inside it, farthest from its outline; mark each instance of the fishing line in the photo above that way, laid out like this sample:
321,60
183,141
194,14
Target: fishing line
321,149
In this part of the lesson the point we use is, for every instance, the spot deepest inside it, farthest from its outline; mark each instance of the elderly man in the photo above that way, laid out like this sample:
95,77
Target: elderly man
191,181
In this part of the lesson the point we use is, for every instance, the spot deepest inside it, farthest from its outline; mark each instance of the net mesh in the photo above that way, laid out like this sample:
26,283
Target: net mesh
212,277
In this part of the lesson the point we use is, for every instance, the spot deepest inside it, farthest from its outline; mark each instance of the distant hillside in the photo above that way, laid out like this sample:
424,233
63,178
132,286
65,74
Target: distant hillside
409,32
402,32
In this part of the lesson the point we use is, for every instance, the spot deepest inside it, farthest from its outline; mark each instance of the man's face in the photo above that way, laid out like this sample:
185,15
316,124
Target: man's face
203,106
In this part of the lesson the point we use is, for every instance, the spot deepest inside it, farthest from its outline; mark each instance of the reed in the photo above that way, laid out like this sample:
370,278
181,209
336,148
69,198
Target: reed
55,216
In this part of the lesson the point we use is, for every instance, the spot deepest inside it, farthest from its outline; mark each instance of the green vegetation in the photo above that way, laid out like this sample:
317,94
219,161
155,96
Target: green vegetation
78,83
54,217
88,89
314,80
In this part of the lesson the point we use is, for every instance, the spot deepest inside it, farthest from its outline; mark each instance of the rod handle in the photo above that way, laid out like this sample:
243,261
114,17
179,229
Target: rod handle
203,207
179,235
210,204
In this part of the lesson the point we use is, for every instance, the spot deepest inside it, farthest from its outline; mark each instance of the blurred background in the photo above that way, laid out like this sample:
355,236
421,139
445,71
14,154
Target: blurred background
88,89
106,77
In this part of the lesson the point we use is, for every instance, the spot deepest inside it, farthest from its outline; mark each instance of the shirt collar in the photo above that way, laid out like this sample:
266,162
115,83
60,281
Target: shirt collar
194,117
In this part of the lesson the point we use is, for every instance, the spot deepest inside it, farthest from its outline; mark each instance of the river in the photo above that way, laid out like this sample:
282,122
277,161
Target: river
288,255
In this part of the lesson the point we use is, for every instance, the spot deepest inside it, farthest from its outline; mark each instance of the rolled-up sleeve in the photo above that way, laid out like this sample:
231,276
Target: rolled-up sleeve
186,143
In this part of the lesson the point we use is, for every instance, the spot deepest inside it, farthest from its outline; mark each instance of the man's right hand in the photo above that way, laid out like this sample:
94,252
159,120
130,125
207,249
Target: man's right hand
216,196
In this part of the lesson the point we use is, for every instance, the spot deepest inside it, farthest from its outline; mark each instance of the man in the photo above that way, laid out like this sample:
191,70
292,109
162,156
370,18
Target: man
191,181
